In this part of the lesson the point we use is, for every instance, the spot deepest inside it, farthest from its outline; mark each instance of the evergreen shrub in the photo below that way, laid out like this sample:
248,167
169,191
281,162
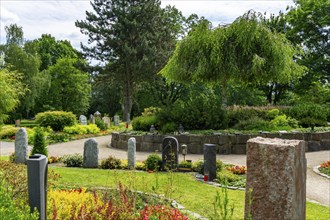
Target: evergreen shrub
153,162
57,120
143,123
39,142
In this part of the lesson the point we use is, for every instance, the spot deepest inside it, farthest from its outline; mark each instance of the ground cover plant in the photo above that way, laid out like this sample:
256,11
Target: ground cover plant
185,189
325,168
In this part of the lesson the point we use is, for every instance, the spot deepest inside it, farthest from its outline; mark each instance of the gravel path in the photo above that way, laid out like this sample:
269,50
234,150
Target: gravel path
318,187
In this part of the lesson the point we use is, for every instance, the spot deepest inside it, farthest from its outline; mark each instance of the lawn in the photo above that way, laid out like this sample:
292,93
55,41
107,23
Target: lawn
193,195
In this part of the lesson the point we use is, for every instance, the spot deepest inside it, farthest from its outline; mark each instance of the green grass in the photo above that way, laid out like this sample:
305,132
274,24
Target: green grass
193,195
5,158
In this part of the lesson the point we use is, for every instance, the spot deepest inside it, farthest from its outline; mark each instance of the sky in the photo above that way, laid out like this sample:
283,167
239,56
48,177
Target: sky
57,18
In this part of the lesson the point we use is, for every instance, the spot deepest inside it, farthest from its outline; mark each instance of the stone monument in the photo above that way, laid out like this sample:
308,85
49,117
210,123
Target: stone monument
21,146
83,120
276,179
170,151
131,153
91,154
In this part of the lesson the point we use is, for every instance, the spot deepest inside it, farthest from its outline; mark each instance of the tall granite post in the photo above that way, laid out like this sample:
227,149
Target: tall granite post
210,160
21,146
131,153
276,179
91,154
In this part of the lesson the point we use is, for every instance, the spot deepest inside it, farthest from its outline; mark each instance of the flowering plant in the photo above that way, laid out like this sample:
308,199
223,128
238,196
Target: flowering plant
239,170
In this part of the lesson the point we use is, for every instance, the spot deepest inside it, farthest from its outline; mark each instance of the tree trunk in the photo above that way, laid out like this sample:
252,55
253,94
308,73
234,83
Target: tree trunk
127,96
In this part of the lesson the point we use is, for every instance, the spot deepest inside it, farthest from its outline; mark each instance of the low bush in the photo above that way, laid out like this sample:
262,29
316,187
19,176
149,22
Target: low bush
238,170
7,131
284,121
153,162
198,166
9,210
309,114
140,165
185,164
111,163
325,168
143,123
273,113
58,137
225,176
169,127
82,129
53,159
57,120
39,142
74,160
100,124
254,123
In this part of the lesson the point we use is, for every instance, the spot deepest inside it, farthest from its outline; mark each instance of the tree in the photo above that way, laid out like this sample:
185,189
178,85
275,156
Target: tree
245,51
309,22
50,50
133,38
11,88
14,34
70,88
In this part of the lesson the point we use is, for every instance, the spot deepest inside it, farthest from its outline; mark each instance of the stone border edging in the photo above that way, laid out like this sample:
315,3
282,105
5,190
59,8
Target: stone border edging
316,170
199,177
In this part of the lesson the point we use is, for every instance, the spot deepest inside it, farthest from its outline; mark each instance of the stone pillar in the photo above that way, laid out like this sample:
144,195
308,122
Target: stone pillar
21,146
131,153
276,179
116,120
210,161
91,154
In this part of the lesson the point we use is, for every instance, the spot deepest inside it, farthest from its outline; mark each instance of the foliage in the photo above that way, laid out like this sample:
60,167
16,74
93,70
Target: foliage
140,165
74,160
70,87
11,88
325,168
169,127
8,131
100,124
283,120
39,142
309,114
149,40
239,170
153,162
222,211
143,123
9,210
58,137
254,123
211,55
273,113
80,204
150,111
226,177
82,129
198,166
53,159
57,120
185,164
111,163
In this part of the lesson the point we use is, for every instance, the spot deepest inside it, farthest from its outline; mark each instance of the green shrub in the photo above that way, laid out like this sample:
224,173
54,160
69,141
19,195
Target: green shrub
225,176
153,162
58,137
254,123
185,164
82,129
100,124
39,142
283,120
57,120
143,123
169,127
74,160
111,163
198,166
273,113
7,131
9,210
150,111
309,114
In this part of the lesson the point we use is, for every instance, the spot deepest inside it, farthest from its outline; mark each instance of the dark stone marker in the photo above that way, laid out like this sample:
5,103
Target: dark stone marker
210,160
170,151
276,179
37,167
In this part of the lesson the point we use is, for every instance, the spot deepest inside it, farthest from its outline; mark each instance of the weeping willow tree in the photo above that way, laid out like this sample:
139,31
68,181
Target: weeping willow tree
245,52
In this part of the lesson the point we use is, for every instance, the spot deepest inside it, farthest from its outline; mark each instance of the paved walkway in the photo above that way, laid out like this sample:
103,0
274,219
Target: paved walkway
318,187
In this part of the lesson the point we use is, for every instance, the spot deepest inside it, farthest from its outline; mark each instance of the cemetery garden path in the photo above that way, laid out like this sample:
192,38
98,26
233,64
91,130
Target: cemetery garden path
318,188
